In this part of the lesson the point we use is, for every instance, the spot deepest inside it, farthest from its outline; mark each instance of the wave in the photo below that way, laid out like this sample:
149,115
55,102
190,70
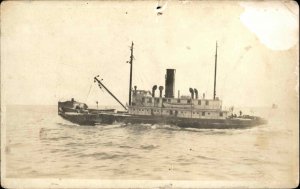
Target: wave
68,124
208,131
109,126
206,158
227,131
154,126
104,156
149,147
124,146
168,127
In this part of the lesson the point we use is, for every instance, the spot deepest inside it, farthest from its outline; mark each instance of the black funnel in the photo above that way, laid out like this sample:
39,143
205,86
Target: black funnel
192,93
170,83
196,93
161,88
153,90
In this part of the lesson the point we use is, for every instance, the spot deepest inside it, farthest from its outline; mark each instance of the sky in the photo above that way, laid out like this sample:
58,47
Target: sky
51,50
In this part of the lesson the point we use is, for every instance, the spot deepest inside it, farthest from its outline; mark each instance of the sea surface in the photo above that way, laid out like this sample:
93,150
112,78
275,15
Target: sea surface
40,144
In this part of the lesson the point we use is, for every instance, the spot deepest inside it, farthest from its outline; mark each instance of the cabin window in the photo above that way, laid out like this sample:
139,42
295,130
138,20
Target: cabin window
199,102
203,113
169,100
164,100
171,112
208,113
206,102
150,100
178,100
221,114
157,100
188,101
193,112
143,99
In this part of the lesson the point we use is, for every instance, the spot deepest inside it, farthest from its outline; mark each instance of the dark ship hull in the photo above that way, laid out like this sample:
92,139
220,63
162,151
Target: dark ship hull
111,118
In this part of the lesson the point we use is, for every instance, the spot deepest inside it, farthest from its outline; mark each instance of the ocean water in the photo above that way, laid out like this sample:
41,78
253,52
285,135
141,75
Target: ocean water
40,144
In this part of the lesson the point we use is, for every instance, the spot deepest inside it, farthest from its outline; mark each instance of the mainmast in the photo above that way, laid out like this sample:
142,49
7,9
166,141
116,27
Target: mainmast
130,79
215,78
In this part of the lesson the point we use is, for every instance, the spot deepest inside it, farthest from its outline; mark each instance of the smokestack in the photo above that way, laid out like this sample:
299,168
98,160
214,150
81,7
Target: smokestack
192,93
170,83
196,93
203,95
161,88
153,90
178,93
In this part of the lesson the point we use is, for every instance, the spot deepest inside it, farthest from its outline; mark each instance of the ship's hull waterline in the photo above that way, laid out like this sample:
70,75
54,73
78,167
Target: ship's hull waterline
110,118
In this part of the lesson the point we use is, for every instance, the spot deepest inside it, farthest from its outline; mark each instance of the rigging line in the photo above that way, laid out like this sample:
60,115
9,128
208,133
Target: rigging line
208,78
138,77
101,90
236,65
89,92
142,80
101,93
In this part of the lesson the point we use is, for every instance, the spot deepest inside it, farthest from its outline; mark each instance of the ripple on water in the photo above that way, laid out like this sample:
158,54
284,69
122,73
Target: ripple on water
106,156
124,146
149,147
206,158
140,151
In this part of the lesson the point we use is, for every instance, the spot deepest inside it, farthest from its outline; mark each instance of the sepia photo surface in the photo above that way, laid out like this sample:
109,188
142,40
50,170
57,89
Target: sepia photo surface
149,94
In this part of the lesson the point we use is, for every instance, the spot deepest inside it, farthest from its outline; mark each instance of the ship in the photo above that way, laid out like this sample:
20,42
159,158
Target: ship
147,107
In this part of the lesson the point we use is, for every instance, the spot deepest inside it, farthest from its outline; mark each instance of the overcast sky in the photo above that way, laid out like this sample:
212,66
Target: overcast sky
51,51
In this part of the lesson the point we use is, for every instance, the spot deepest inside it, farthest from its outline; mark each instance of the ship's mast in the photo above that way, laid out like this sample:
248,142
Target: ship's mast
215,78
130,79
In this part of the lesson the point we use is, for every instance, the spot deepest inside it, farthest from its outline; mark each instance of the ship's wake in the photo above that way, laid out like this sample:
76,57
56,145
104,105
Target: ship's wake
67,124
153,126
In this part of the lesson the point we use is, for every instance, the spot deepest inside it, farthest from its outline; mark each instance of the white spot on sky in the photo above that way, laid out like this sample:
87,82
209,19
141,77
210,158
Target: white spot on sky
274,23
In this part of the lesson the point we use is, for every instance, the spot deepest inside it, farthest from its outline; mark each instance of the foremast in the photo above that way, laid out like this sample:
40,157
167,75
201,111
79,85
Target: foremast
130,81
130,78
215,78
